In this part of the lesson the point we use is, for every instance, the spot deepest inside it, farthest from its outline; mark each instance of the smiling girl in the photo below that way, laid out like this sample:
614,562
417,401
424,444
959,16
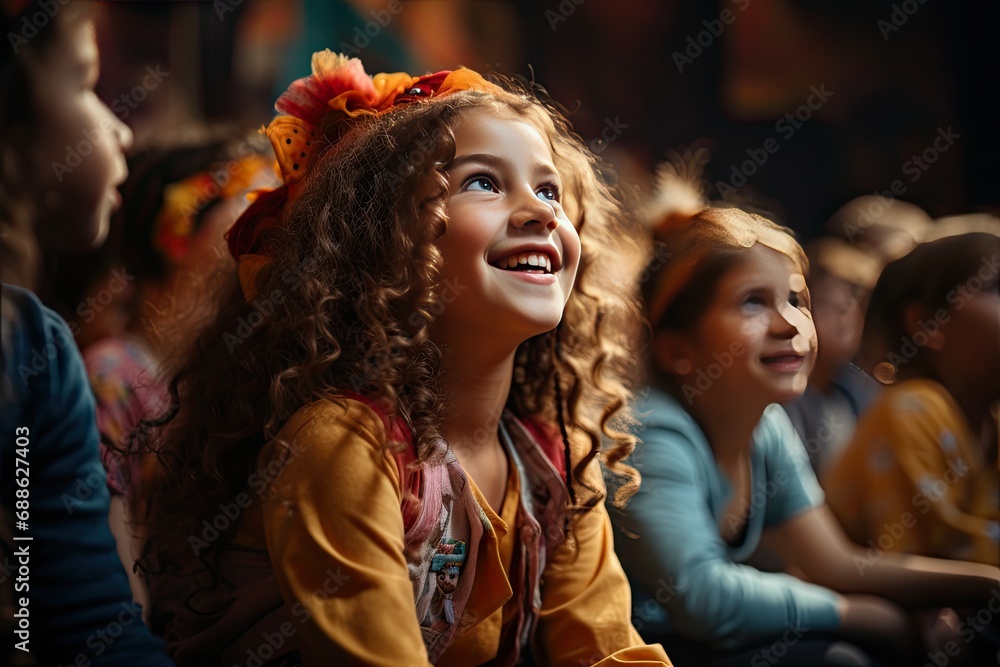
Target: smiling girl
727,486
387,442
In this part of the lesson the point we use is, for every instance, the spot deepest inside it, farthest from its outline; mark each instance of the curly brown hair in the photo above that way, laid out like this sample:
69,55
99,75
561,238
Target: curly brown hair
347,301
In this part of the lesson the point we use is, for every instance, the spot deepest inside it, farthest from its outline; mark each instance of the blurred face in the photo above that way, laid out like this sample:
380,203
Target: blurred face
756,339
510,254
839,316
972,340
81,145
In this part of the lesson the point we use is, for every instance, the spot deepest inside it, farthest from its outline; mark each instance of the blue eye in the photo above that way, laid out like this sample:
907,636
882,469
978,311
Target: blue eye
753,301
549,192
480,183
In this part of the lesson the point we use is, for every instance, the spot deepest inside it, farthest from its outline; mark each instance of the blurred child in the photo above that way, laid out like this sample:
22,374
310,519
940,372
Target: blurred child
840,278
142,294
725,476
71,601
883,226
925,456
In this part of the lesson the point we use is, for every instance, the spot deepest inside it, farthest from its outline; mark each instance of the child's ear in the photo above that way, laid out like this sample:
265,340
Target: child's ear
920,323
671,353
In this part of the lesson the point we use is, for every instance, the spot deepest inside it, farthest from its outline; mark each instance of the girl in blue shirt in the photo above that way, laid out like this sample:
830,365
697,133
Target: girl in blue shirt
727,491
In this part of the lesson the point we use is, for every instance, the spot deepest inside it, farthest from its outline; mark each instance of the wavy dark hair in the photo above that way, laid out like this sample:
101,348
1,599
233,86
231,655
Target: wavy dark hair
346,304
929,277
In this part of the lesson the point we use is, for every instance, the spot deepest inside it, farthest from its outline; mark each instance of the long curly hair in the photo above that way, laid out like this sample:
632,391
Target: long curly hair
346,305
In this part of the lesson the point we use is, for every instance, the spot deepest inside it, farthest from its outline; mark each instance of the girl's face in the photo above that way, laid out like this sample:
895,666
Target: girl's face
839,315
81,146
756,339
972,339
510,254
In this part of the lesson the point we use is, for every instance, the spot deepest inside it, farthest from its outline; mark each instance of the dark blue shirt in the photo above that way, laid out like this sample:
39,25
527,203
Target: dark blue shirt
79,605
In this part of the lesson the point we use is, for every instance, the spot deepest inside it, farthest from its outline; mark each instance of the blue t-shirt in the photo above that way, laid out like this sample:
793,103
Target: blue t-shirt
685,578
78,598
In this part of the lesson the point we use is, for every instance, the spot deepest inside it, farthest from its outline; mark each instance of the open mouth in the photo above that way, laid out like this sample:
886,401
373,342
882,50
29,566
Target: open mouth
529,262
783,362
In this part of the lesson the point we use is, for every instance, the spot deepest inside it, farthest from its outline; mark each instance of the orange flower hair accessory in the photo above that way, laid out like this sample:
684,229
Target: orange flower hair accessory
338,86
183,201
314,111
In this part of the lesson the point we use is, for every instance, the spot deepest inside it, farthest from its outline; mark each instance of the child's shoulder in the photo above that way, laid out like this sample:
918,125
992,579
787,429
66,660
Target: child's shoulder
906,394
913,404
334,431
31,317
39,353
337,413
658,410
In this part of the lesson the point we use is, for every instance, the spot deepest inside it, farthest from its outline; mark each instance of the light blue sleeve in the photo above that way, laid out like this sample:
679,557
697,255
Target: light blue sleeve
788,468
679,559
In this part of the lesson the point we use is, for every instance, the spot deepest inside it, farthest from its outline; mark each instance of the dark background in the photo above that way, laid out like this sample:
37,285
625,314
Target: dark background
900,74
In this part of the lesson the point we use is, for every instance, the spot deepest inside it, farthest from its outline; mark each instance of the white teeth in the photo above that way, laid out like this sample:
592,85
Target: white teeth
541,261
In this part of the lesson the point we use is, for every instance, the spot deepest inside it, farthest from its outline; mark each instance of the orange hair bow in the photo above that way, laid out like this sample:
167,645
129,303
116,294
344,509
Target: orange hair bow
337,90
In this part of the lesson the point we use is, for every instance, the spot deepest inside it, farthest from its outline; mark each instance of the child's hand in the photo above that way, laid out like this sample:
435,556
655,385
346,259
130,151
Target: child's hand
873,621
939,630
